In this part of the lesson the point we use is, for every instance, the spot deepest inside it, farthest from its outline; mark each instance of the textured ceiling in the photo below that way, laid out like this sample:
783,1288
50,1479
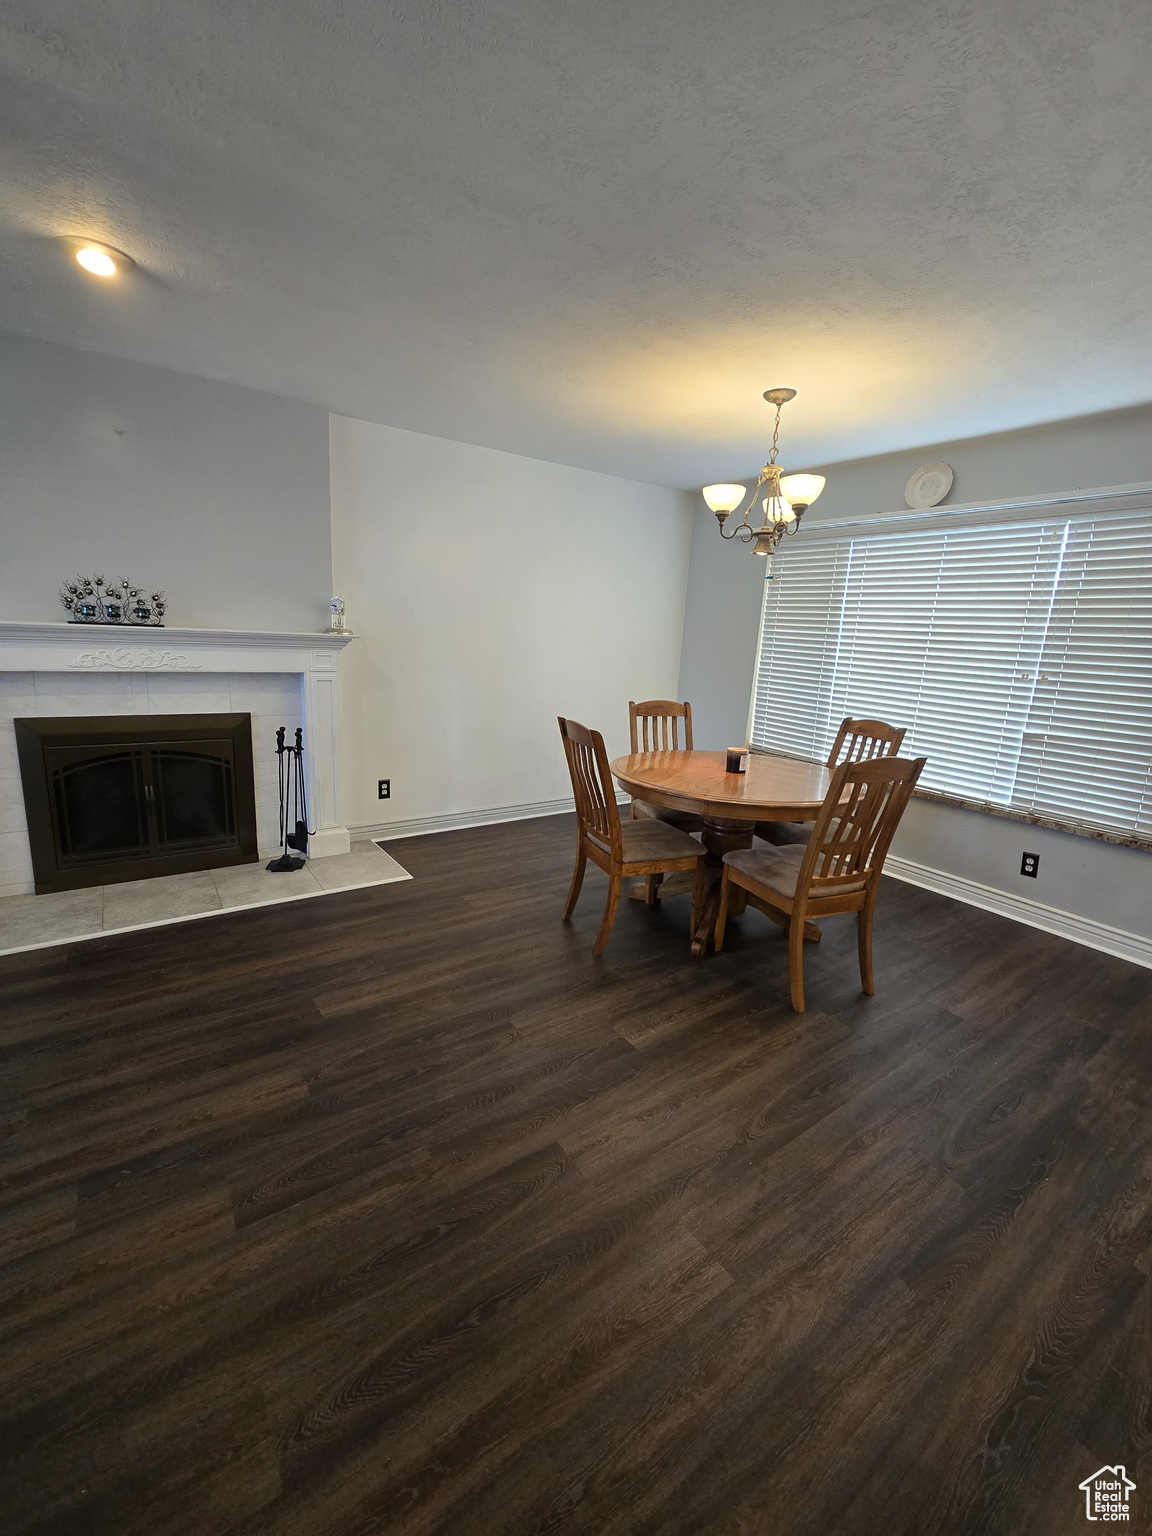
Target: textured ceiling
594,231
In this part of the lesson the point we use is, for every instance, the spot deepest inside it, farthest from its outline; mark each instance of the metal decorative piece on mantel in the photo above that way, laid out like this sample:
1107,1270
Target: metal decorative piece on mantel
293,805
91,600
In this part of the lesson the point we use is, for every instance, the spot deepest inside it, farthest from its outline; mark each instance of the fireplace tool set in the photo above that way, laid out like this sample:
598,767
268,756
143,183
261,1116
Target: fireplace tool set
293,804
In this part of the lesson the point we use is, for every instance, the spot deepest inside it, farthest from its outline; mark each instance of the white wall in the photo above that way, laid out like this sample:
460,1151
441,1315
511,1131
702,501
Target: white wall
1093,880
493,592
1113,448
218,495
721,627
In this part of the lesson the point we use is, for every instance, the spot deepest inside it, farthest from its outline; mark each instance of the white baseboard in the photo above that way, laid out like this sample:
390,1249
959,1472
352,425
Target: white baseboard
457,821
1082,930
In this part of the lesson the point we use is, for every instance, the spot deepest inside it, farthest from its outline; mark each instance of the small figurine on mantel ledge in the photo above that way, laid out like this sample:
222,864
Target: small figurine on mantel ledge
88,600
339,622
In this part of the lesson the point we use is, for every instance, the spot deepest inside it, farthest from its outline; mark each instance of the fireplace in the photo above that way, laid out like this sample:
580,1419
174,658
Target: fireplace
125,797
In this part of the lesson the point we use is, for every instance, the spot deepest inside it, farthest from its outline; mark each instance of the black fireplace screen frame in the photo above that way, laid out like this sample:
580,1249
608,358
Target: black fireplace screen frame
176,791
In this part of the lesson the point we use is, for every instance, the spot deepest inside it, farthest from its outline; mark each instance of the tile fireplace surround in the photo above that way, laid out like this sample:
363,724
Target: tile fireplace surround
76,669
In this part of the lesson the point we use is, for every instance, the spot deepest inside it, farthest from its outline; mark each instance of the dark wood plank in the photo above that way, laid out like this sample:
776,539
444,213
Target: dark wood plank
397,1212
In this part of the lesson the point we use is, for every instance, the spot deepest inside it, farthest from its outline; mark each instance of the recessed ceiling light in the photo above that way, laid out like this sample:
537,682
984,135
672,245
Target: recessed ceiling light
101,260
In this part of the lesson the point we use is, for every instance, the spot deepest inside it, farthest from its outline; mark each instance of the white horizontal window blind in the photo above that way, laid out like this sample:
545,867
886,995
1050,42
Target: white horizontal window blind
1018,655
1087,754
799,645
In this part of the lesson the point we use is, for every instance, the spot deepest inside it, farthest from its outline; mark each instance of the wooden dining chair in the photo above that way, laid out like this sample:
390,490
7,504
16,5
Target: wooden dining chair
621,849
857,741
838,870
656,725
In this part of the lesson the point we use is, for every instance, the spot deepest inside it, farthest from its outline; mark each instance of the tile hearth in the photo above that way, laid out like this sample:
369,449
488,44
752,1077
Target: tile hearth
65,917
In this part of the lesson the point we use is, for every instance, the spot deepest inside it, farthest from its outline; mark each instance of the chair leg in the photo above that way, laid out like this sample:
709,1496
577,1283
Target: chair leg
577,881
699,891
609,913
864,938
652,890
721,912
796,959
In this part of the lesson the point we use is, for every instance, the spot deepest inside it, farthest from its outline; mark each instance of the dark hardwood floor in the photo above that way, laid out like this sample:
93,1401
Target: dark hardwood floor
397,1212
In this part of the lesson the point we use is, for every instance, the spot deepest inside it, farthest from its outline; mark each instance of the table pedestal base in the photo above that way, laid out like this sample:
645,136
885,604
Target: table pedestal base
721,837
667,885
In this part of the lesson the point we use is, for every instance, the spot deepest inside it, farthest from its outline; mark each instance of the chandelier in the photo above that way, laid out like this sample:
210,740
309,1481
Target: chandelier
787,498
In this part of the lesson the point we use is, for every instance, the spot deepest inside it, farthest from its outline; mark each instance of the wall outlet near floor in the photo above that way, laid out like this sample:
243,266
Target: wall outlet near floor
1029,864
384,789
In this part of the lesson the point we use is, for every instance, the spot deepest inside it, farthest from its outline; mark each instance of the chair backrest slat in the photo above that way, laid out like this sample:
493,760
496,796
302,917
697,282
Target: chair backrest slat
596,808
859,741
654,725
857,822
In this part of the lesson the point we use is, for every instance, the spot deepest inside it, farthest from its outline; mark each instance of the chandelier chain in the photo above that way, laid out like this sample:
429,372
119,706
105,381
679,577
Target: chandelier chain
775,438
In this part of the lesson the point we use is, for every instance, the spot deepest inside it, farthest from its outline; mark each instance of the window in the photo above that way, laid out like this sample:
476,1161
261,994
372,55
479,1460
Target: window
1018,654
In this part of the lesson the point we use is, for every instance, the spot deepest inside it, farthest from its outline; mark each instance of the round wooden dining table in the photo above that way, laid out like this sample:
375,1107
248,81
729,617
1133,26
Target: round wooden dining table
771,789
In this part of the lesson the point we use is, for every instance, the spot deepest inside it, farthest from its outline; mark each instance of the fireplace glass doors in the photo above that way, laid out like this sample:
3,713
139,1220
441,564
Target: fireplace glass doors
122,798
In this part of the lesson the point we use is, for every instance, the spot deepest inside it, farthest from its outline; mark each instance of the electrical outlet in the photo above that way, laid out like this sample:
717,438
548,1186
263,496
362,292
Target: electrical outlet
384,789
1029,864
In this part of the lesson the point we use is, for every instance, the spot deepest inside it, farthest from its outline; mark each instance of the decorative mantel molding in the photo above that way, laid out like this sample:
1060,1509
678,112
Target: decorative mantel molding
38,629
96,648
31,647
122,659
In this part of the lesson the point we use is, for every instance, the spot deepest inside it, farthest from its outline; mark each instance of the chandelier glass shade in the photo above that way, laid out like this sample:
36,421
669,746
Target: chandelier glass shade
786,500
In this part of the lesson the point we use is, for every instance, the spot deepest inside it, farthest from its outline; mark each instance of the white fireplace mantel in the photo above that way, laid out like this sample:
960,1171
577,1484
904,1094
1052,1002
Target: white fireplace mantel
93,649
